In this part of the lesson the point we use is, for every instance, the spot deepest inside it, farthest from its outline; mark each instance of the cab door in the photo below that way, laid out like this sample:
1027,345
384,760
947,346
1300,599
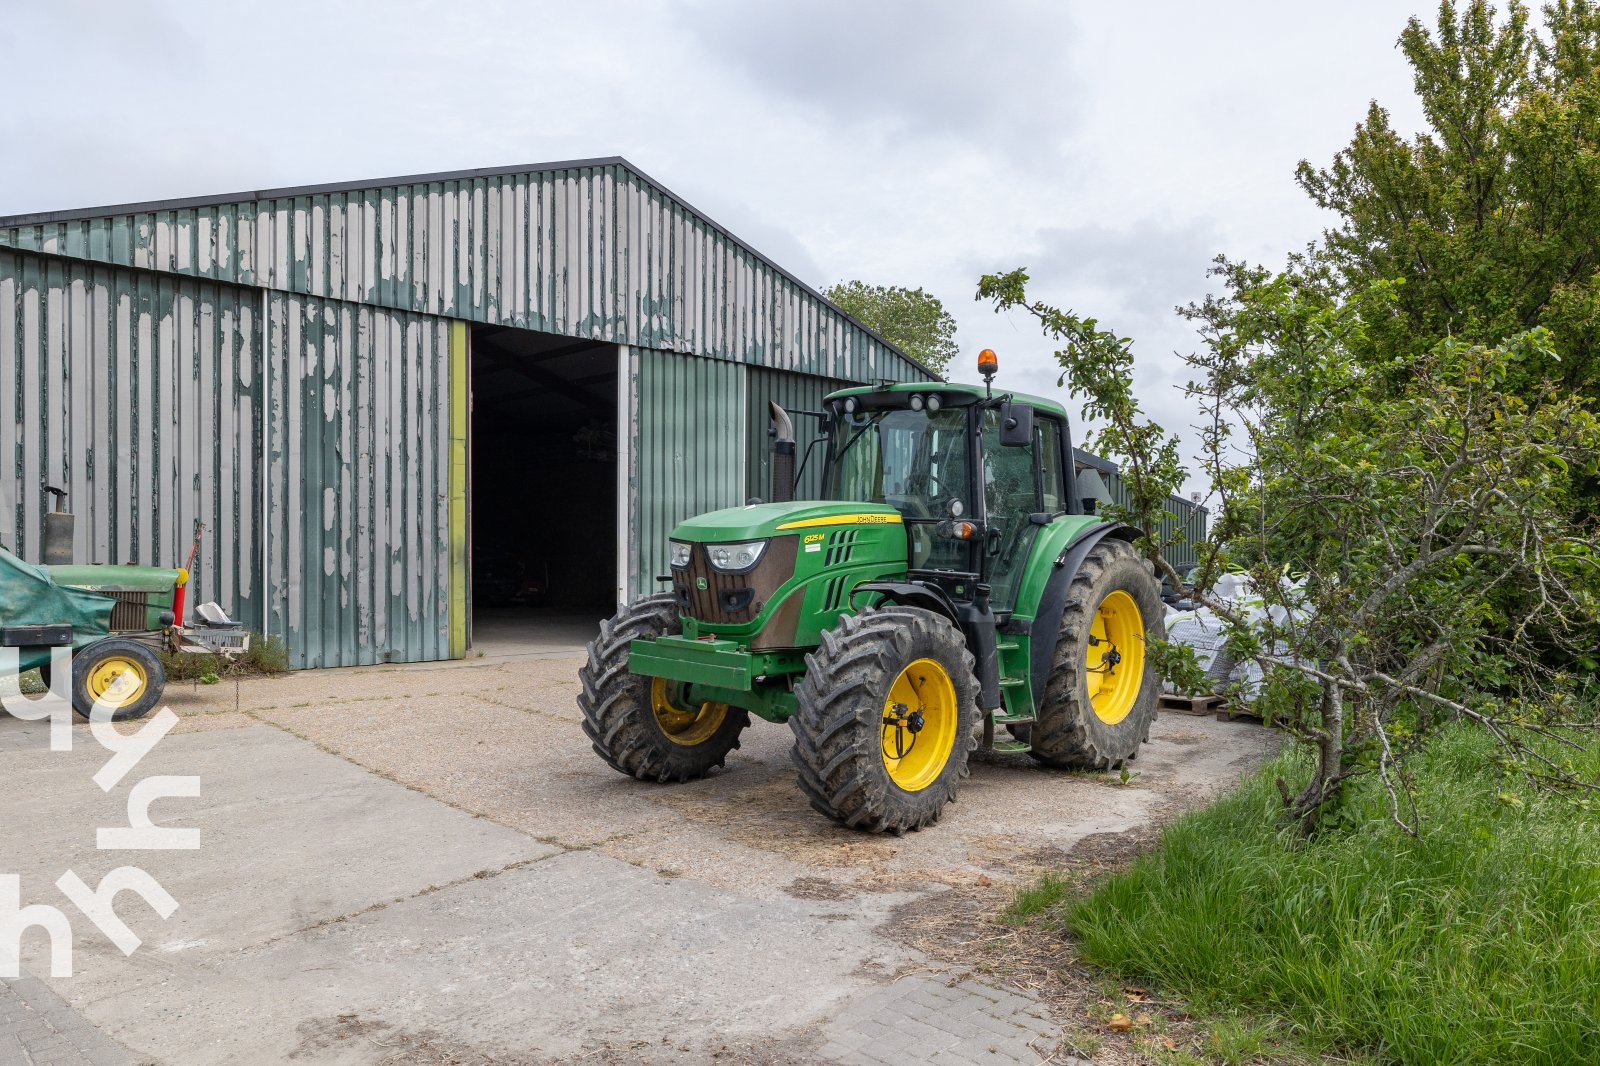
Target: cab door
1018,482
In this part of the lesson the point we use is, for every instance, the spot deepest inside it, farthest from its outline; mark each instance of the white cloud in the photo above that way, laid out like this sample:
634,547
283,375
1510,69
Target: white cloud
1114,149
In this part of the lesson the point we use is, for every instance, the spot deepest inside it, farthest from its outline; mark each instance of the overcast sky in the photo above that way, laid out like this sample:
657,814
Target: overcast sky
1112,149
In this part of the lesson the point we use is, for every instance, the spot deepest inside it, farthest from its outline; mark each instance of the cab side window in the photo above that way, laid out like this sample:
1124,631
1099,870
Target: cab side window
1052,478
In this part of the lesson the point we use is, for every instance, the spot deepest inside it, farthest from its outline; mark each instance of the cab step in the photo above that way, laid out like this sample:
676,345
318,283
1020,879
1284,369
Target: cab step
1006,645
1012,682
1014,719
1010,747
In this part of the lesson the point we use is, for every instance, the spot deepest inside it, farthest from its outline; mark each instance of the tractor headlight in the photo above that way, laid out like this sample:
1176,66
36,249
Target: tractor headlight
735,557
679,555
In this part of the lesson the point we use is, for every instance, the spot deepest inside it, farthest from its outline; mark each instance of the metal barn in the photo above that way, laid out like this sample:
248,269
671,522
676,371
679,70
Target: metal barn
371,393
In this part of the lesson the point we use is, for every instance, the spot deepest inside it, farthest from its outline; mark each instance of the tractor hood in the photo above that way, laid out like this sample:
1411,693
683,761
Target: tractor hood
760,520
111,577
812,554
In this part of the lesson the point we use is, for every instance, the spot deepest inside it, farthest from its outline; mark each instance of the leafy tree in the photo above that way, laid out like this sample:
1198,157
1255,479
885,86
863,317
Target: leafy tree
1408,509
912,320
1491,217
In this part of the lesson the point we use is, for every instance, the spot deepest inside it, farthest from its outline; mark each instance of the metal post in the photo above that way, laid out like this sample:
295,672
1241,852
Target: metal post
625,516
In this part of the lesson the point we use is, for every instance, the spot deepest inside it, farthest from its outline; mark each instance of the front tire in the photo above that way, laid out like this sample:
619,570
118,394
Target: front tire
642,726
871,680
124,674
1103,689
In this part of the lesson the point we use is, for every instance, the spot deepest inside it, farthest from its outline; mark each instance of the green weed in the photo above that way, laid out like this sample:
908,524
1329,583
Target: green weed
267,656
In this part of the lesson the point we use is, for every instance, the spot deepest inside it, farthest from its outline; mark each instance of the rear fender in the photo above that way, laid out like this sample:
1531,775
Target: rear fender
1045,629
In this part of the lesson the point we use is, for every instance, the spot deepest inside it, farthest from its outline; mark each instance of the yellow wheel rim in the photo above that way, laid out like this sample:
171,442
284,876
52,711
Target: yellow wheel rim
1114,664
680,725
919,725
117,681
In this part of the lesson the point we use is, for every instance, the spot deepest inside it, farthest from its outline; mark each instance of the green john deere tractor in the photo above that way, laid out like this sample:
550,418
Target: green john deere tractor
953,579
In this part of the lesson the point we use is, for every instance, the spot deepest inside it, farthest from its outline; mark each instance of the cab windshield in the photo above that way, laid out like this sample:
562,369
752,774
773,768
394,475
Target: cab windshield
914,461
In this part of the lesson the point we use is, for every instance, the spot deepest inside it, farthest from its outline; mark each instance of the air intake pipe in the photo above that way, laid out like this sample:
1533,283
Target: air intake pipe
782,432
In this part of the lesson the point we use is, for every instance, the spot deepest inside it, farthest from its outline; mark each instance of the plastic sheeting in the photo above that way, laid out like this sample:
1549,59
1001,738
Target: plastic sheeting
29,598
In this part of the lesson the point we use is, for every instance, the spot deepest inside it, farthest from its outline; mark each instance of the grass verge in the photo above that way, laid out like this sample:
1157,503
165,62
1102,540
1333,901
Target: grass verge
1477,943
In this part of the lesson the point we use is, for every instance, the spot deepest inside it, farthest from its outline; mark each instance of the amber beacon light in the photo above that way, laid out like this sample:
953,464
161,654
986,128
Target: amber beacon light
988,365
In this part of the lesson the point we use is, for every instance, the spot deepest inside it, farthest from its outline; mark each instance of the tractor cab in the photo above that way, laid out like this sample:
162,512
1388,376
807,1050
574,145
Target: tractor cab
974,478
952,582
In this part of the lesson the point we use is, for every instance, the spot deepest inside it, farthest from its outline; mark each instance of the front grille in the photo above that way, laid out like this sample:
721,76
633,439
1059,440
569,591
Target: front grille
731,599
130,611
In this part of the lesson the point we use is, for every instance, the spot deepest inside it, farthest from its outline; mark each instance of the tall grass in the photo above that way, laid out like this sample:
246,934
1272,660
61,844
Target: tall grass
1477,943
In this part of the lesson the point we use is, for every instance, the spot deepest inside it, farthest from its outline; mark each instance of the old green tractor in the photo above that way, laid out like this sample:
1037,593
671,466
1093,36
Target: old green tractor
107,623
954,579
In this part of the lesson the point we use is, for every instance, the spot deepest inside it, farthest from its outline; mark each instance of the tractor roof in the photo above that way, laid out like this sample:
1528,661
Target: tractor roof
1038,402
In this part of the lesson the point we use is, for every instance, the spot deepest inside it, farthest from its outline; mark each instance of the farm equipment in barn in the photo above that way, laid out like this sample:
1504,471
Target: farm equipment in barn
954,580
114,619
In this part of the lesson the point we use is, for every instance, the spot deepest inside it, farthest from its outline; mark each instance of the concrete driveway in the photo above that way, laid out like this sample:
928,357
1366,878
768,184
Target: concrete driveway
429,865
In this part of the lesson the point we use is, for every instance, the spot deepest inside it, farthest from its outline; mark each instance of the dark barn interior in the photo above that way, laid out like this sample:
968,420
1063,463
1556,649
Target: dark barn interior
543,485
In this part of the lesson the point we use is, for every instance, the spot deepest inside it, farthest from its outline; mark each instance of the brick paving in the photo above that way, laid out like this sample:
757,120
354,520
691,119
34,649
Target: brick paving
39,1028
924,1020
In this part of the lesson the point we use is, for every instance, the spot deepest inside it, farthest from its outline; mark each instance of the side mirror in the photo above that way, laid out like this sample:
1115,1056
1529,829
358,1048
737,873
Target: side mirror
1016,425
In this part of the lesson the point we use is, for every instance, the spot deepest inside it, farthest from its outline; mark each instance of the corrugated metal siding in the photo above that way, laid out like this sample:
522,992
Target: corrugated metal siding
686,450
591,251
357,482
795,393
1181,535
140,394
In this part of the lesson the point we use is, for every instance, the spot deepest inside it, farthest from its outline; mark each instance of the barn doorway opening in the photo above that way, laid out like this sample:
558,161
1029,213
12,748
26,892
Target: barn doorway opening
543,490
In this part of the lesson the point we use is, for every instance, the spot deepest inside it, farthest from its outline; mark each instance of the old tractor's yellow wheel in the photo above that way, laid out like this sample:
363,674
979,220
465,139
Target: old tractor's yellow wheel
1101,693
885,719
919,722
1114,660
688,726
123,676
117,681
643,726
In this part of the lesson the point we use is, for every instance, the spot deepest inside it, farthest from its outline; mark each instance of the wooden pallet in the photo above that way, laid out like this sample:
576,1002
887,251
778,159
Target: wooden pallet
1206,703
1240,713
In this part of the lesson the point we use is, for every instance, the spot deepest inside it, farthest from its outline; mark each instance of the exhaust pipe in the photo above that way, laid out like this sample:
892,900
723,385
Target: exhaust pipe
782,432
58,530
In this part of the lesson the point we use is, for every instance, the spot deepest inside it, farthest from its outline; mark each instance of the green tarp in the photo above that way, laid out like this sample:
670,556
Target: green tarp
28,597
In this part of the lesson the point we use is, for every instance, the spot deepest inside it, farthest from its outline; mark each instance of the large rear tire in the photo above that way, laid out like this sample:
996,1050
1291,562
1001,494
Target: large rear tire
1103,689
887,711
124,674
642,726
